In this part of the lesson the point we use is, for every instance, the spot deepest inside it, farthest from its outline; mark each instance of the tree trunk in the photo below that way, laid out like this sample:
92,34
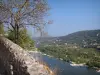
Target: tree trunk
16,33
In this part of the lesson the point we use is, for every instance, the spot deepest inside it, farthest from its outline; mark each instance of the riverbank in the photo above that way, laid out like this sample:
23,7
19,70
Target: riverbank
98,70
71,62
89,56
78,65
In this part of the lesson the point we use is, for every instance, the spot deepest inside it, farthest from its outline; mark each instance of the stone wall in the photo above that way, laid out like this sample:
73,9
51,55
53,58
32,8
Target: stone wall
15,61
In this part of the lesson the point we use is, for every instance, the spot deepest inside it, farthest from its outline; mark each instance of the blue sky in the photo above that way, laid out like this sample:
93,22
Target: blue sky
73,15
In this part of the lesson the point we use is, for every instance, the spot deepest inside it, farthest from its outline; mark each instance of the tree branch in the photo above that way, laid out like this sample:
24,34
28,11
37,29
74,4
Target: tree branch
9,23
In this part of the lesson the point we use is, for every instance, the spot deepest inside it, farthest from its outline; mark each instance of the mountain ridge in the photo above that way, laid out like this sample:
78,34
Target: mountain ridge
79,38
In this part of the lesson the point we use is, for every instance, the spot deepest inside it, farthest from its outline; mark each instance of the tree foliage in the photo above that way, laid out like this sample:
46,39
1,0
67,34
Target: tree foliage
18,14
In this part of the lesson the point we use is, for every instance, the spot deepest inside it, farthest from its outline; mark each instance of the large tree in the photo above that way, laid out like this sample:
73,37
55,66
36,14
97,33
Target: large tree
18,14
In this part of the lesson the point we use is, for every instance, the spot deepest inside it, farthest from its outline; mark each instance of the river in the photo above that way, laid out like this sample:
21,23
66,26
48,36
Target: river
64,68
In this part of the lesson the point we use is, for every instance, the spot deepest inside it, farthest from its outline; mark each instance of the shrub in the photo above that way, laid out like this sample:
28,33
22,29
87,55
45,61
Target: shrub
25,41
1,28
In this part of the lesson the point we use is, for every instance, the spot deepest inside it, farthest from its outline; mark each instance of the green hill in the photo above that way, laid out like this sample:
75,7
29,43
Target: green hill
81,38
88,37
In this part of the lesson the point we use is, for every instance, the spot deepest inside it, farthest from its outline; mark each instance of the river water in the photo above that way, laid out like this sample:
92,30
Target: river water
64,68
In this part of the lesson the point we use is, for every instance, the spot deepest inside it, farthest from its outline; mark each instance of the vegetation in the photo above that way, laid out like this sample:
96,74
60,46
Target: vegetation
24,40
1,28
78,47
18,14
94,62
90,56
88,38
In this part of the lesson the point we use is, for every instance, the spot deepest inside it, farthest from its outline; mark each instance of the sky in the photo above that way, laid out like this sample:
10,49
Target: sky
73,15
70,16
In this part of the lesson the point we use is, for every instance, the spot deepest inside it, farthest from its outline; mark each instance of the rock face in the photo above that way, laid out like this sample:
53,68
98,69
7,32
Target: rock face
15,61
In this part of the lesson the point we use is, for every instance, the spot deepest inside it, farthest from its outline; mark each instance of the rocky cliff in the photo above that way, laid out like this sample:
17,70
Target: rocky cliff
16,61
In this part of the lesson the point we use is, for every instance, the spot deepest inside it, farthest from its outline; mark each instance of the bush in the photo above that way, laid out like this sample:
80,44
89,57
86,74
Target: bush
1,29
94,62
25,41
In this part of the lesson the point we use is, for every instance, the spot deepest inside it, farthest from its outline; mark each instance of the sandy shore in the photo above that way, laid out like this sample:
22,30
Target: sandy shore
74,64
98,70
77,65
